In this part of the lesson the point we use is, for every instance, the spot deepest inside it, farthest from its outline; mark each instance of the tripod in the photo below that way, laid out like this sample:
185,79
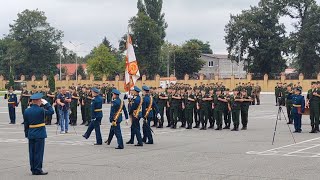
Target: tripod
280,112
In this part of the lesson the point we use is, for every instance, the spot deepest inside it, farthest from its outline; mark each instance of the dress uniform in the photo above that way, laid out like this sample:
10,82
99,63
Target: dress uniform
147,114
24,100
235,104
117,106
35,131
135,113
297,109
96,115
12,104
288,96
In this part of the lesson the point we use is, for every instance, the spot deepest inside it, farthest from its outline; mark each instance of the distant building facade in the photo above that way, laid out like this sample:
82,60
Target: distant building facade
221,65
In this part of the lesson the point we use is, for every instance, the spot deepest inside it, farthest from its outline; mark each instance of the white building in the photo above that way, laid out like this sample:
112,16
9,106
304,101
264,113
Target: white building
221,65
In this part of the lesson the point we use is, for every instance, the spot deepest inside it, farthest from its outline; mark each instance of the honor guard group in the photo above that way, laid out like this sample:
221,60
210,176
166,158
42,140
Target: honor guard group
201,106
289,95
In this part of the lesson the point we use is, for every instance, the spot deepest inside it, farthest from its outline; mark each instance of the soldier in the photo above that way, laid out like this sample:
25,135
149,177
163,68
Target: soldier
12,104
297,110
235,107
203,104
174,107
50,98
257,90
226,111
196,110
246,101
115,118
82,96
96,115
168,106
189,105
24,100
35,131
74,106
56,105
313,102
218,108
161,104
87,106
147,106
155,95
276,92
288,96
135,115
210,108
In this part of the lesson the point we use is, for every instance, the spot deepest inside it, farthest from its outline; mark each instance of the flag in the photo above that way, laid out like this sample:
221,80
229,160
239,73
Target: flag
132,73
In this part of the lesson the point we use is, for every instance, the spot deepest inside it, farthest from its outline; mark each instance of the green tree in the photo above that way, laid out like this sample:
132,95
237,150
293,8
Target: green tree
51,82
11,80
204,47
257,36
187,59
33,43
304,41
80,71
102,62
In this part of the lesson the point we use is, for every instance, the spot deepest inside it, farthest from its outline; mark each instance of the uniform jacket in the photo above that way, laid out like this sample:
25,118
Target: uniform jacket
96,107
145,105
135,105
12,100
115,105
298,100
35,115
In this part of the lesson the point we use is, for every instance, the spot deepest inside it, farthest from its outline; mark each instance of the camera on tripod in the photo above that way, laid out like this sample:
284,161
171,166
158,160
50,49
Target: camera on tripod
281,101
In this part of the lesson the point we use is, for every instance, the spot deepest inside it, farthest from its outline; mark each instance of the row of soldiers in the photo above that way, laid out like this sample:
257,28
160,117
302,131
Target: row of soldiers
211,103
80,96
284,98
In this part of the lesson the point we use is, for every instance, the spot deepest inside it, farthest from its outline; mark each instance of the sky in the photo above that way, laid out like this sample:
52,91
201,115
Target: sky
86,22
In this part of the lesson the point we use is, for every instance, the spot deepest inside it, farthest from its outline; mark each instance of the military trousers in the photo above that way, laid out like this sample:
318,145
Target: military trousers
227,117
147,135
161,112
297,121
95,124
314,113
116,130
289,113
196,114
204,116
236,117
12,114
135,131
36,151
83,114
23,108
73,115
174,114
244,116
189,115
218,117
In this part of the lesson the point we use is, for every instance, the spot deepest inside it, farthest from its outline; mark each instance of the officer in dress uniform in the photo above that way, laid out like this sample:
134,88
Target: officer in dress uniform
35,131
24,100
135,114
12,104
96,116
117,106
147,114
297,109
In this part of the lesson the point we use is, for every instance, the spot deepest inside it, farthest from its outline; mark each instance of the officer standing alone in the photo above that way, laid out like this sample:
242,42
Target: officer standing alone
35,131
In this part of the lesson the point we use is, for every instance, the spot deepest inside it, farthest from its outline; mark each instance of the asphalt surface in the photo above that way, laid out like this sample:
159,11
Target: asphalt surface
176,154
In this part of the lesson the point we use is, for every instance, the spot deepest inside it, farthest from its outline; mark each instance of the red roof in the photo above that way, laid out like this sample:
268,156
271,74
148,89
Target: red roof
71,68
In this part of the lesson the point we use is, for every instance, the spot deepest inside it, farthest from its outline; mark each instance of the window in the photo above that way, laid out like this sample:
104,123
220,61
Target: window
210,64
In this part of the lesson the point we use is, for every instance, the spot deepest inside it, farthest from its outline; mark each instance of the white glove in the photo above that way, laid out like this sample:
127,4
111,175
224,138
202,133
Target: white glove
141,119
158,116
44,102
130,96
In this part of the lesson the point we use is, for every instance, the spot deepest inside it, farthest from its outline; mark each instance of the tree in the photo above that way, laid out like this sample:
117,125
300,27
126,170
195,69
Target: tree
80,71
51,82
148,33
11,80
204,47
102,62
304,42
33,44
258,38
187,59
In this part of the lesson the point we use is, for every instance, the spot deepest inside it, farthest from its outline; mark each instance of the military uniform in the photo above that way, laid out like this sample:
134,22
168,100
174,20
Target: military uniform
245,111
115,118
314,105
147,114
73,108
161,105
235,106
12,104
218,109
24,101
174,108
96,115
297,110
189,103
35,131
136,114
288,95
87,108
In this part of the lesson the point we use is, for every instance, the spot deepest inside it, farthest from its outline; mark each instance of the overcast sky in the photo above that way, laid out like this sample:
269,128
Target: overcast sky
88,21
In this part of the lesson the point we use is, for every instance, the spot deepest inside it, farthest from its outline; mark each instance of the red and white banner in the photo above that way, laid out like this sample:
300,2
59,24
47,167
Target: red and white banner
132,73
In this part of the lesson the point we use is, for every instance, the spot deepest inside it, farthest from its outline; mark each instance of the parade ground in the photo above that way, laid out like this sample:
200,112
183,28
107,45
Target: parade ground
176,154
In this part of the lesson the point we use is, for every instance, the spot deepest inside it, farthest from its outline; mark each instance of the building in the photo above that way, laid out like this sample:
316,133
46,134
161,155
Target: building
221,65
71,68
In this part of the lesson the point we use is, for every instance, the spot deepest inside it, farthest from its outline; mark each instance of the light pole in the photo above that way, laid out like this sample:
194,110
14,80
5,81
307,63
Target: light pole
75,49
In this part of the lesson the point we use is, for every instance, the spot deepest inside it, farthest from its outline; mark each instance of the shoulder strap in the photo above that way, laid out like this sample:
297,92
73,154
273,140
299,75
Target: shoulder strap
116,116
149,107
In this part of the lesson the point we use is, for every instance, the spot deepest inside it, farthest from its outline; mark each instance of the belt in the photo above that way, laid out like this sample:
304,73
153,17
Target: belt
97,110
296,105
11,102
37,125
